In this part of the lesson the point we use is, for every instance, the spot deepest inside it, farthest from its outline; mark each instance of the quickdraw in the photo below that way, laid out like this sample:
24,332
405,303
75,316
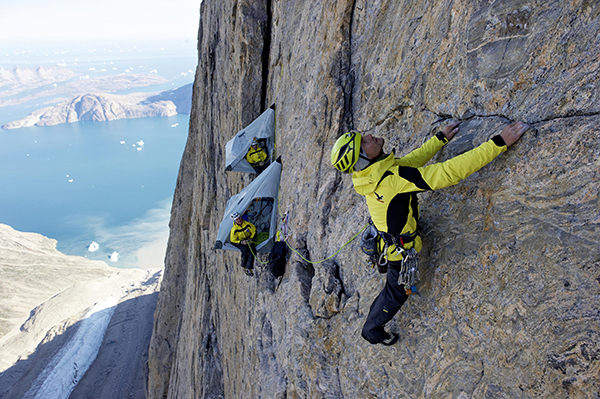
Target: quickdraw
409,271
409,268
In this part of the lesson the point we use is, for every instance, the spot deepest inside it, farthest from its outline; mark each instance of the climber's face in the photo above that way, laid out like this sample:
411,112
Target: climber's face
373,146
238,221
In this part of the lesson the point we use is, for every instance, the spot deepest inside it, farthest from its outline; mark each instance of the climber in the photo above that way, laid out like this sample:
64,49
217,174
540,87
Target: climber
257,157
390,185
241,236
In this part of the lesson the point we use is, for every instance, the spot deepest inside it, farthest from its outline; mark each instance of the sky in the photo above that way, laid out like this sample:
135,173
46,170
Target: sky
24,20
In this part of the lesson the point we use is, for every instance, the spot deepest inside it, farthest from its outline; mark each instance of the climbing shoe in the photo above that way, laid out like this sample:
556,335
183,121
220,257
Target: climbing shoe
390,339
249,272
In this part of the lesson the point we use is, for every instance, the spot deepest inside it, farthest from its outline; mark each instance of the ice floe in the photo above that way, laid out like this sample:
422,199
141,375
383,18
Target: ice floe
93,247
114,257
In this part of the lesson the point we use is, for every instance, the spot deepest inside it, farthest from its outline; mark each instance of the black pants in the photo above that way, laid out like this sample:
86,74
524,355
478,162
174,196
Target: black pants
247,257
385,306
259,169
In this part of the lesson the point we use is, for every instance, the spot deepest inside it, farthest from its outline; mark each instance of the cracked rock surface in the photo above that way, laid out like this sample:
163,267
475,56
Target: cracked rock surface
510,266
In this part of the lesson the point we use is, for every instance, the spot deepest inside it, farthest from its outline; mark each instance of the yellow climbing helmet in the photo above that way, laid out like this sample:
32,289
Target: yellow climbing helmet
345,152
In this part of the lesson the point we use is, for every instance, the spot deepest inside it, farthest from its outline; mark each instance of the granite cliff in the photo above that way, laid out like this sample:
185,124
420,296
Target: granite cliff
510,269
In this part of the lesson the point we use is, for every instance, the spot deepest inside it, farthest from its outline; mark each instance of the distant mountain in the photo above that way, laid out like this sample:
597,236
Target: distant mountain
22,84
181,97
13,81
108,107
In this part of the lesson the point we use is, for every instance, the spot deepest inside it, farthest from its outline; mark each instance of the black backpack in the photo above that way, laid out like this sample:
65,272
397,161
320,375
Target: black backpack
277,258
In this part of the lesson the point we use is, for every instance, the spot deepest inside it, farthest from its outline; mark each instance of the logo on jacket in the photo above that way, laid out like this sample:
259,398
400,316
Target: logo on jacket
378,197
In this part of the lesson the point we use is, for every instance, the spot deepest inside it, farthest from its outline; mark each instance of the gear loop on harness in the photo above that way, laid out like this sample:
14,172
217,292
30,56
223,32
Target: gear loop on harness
409,265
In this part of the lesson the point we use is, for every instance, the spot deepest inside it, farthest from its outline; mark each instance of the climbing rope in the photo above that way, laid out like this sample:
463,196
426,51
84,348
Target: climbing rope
306,260
326,259
256,257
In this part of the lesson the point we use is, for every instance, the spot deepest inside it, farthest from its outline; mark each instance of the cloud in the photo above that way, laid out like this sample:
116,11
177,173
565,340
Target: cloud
116,19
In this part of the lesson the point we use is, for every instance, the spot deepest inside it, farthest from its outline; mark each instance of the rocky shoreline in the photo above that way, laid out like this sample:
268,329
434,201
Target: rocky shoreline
45,297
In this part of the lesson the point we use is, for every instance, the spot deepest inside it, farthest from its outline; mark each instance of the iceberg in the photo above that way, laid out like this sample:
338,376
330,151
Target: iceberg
114,257
93,246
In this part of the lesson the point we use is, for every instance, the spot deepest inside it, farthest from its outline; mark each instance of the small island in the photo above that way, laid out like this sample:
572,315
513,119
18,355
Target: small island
109,107
90,99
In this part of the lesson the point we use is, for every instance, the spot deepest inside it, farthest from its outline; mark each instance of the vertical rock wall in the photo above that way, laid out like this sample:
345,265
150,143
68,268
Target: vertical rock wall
510,275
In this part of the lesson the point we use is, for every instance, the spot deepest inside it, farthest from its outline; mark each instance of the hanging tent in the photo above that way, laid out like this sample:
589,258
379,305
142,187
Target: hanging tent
263,128
257,204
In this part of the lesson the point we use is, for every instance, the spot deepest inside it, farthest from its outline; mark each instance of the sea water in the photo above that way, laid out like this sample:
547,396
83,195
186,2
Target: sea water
105,183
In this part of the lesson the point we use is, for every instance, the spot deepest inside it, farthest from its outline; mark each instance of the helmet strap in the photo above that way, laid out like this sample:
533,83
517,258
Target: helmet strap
363,161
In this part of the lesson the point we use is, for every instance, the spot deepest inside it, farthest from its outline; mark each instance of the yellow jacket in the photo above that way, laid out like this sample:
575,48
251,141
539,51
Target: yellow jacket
255,156
244,232
390,185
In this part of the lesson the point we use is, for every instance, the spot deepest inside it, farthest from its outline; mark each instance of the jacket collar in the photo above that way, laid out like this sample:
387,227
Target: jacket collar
366,180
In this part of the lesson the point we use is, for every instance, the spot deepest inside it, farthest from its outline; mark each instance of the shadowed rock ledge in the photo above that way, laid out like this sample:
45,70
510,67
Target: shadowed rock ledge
510,272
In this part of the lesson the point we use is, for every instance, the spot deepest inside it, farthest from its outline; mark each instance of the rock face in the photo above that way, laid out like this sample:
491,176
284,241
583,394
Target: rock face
510,269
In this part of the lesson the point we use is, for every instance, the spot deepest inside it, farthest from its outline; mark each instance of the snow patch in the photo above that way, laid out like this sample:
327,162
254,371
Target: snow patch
71,362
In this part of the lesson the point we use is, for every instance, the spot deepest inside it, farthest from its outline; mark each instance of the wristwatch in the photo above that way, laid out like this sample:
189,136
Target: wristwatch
441,137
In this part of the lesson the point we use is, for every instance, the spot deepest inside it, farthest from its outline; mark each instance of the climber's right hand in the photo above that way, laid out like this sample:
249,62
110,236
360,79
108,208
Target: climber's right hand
513,132
450,130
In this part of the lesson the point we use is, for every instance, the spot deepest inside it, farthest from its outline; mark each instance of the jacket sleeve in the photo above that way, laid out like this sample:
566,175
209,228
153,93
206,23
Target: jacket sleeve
233,237
252,231
423,154
445,174
262,156
452,171
254,157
